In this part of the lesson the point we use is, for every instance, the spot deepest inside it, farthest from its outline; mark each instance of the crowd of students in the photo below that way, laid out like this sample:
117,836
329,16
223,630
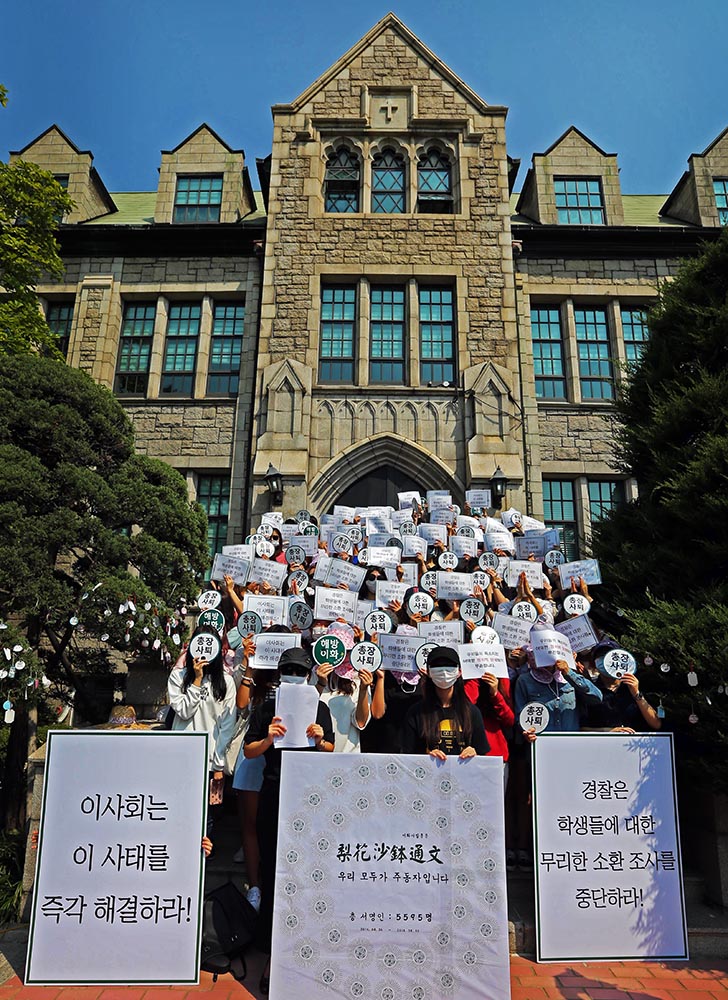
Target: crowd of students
552,668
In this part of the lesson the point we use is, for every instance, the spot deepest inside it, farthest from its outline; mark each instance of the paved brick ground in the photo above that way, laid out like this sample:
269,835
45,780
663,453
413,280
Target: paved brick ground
700,980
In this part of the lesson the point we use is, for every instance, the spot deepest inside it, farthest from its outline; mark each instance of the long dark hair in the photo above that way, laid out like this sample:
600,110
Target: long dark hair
458,711
214,670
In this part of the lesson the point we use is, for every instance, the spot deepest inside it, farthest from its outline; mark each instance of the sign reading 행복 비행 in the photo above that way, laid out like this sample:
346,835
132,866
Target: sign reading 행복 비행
119,877
606,848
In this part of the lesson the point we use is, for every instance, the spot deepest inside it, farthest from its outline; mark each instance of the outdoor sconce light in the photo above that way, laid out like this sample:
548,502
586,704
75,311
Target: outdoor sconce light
498,487
274,482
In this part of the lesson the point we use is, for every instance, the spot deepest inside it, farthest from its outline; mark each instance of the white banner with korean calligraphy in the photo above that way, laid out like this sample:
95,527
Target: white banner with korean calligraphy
390,880
119,877
606,848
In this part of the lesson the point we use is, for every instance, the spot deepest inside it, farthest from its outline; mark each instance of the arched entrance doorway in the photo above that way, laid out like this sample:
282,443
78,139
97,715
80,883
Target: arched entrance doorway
378,488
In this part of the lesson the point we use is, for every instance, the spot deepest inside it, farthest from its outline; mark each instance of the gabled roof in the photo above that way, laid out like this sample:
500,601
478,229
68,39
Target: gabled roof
212,132
390,21
714,142
52,128
573,128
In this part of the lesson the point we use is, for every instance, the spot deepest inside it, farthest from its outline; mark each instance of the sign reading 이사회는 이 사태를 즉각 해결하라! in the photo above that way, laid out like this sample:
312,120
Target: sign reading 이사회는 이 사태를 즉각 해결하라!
119,877
390,878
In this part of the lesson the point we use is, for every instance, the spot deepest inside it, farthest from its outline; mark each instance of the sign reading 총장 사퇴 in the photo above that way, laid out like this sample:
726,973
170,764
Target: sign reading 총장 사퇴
607,848
390,879
119,876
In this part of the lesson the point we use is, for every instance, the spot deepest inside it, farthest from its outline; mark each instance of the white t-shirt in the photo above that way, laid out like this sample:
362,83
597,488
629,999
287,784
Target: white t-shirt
343,716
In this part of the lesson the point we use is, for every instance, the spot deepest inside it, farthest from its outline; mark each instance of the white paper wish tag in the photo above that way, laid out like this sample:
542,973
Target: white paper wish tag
534,716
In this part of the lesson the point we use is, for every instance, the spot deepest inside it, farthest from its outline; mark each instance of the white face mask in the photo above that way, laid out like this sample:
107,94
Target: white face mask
444,677
318,631
290,679
371,586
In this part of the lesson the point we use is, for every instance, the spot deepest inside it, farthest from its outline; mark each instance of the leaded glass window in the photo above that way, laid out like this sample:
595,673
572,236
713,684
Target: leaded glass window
60,320
387,335
434,183
135,349
559,511
604,496
342,181
388,183
213,494
720,187
635,333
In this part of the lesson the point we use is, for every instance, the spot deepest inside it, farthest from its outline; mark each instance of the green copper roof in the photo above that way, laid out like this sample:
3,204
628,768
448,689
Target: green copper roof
136,208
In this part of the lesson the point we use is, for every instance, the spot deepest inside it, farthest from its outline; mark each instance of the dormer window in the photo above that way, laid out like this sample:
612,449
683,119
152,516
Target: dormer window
720,188
389,178
579,201
198,198
434,183
342,181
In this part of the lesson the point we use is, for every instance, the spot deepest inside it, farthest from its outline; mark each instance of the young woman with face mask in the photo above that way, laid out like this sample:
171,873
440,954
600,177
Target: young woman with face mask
444,723
295,667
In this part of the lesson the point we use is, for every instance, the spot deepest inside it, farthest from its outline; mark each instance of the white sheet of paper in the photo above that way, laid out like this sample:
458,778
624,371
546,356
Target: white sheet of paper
223,566
454,586
333,603
549,646
477,660
297,705
389,590
579,631
343,571
270,645
268,571
443,633
272,610
512,632
398,651
384,555
587,568
533,571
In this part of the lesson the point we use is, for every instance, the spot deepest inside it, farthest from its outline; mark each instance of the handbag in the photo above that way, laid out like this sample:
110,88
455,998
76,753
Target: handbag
232,750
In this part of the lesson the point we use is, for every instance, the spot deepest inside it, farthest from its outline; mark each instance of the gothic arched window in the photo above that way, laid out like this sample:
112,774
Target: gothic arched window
388,182
434,183
342,181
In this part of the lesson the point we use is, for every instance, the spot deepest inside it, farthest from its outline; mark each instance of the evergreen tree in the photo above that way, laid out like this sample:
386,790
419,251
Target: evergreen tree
666,555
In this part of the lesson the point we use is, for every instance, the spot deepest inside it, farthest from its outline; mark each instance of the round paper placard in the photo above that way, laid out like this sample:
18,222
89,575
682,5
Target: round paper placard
212,619
362,557
295,555
428,581
303,515
342,543
488,560
249,621
420,603
209,599
300,615
310,529
407,528
266,530
484,635
255,538
576,604
329,649
378,621
554,558
618,662
355,533
481,579
265,548
525,611
299,577
366,656
422,653
534,716
472,610
466,531
447,560
206,644
394,543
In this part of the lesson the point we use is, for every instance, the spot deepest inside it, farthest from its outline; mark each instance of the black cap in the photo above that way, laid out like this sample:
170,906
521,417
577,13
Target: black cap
295,659
443,656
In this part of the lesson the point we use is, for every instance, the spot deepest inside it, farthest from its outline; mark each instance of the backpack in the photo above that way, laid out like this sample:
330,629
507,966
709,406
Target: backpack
228,928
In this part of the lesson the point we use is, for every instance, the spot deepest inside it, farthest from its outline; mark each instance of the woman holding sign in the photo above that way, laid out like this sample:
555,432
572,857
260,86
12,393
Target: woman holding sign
444,723
203,698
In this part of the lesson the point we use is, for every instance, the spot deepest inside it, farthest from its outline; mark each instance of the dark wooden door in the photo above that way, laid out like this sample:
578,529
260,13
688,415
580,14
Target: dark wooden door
378,488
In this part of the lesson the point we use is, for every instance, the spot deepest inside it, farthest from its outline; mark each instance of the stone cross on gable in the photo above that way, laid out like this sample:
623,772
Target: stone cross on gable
389,107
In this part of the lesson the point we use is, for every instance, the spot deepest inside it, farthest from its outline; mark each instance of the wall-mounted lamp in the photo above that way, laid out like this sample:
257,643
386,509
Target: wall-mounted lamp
274,482
498,487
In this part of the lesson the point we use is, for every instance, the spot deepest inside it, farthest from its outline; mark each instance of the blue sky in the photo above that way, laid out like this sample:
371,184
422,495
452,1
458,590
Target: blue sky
647,79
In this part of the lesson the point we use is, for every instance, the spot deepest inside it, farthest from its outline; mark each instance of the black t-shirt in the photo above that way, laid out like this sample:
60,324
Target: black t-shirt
451,741
617,708
385,735
262,717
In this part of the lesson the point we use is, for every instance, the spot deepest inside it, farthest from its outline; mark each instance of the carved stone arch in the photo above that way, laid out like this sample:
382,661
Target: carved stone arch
341,187
334,145
327,416
432,412
444,146
410,425
284,387
365,457
389,421
492,403
367,420
377,146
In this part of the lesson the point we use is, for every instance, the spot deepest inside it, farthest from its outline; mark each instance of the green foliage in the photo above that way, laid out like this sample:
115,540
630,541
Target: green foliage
99,547
12,848
31,202
665,556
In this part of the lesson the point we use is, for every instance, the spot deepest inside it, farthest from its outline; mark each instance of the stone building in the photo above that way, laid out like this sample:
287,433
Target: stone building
386,312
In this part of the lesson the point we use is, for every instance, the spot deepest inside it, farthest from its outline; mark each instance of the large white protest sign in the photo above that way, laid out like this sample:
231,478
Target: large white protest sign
588,569
446,633
454,586
432,533
580,632
119,876
272,610
330,604
384,555
479,498
398,651
390,879
512,632
533,571
223,566
268,571
550,646
388,591
475,660
270,645
341,571
607,849
463,546
309,543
